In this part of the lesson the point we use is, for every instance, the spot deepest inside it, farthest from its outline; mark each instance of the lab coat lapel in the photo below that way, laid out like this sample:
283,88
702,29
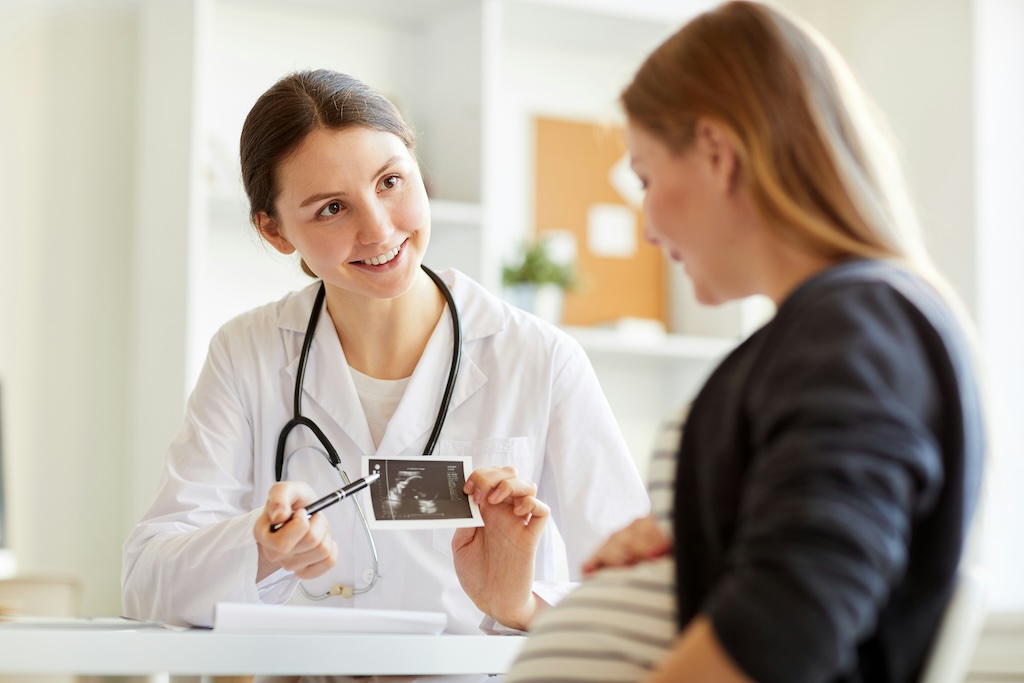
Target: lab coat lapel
328,381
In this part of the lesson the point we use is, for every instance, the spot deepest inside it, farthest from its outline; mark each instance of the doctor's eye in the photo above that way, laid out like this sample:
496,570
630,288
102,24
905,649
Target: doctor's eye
389,183
332,209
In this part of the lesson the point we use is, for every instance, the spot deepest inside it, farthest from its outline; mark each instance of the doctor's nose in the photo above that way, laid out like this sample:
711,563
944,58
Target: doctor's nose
377,226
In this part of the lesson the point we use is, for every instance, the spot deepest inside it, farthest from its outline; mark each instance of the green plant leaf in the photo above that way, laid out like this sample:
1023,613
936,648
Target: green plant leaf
537,268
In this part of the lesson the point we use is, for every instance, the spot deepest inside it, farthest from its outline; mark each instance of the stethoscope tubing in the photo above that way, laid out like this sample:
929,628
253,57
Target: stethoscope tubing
307,342
332,455
453,371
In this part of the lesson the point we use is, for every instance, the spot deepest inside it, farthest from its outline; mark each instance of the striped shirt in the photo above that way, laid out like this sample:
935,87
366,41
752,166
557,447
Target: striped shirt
618,624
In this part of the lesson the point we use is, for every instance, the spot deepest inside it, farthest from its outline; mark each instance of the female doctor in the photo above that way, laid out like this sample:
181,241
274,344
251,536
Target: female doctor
329,169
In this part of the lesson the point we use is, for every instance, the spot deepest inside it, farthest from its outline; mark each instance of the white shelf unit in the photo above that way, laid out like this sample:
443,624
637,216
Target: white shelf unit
647,377
469,75
679,347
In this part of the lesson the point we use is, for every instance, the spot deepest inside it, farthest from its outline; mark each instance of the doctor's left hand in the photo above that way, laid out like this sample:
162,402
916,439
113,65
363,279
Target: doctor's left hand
495,562
303,546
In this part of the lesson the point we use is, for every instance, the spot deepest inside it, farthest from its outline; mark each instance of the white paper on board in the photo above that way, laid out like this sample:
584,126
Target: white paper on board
611,231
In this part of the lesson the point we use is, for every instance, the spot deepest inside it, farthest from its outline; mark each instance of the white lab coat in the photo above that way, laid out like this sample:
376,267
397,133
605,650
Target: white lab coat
526,395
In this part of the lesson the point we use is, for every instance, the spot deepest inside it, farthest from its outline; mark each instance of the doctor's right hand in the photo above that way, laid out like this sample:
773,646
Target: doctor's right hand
303,546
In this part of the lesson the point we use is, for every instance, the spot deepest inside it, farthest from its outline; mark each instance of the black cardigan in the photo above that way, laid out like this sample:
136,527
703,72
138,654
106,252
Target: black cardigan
827,476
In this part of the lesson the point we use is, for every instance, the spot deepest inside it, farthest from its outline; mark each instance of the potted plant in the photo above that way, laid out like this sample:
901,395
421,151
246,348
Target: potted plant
537,282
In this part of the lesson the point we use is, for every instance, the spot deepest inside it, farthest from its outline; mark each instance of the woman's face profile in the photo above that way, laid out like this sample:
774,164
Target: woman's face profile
686,213
353,204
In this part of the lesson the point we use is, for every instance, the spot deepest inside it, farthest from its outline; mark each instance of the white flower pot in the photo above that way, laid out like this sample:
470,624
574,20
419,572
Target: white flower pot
544,301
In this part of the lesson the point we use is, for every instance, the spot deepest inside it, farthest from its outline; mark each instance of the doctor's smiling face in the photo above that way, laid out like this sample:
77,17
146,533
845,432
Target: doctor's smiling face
351,201
329,169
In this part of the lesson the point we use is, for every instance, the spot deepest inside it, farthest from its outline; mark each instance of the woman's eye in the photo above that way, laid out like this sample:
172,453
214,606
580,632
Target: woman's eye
332,209
389,183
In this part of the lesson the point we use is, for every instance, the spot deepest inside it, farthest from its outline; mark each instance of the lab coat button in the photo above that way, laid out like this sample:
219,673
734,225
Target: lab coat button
368,576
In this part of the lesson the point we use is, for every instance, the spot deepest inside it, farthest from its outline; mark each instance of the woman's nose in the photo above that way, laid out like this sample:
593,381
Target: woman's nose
648,231
646,224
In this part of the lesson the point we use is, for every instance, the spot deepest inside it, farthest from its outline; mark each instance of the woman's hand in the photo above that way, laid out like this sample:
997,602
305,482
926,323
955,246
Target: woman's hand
640,541
494,562
303,546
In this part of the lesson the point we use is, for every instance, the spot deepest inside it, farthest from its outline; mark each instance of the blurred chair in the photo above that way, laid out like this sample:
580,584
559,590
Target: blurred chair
959,631
40,596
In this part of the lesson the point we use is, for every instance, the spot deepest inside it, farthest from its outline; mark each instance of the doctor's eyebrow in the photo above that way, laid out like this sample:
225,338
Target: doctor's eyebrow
320,196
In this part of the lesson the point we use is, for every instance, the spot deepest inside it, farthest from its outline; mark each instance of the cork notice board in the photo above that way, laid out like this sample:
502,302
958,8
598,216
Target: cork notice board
573,193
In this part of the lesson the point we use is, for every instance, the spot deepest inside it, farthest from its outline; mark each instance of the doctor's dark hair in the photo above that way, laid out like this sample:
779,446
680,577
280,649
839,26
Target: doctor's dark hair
294,107
814,154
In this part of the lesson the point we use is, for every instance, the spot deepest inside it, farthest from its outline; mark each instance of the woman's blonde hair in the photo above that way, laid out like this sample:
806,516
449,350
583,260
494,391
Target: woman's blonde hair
812,151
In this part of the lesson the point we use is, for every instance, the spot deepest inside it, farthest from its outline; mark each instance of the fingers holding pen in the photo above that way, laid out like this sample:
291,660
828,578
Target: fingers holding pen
315,553
304,544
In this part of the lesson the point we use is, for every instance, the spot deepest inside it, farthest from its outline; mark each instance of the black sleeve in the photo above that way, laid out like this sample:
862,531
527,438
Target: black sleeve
843,405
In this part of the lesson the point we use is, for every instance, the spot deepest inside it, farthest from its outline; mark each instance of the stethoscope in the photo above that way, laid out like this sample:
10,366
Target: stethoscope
331,454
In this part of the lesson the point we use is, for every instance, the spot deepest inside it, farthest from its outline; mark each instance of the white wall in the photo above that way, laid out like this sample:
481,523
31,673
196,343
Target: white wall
166,237
67,118
999,107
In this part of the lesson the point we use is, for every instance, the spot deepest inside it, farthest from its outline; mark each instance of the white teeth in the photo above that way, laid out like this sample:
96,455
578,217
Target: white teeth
383,258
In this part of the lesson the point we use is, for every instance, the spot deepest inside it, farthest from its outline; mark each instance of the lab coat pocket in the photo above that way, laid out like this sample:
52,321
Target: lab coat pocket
518,452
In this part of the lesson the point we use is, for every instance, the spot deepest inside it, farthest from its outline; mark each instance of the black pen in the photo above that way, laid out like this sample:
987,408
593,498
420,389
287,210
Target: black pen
332,498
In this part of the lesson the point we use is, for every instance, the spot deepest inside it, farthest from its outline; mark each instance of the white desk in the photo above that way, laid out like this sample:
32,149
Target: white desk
26,650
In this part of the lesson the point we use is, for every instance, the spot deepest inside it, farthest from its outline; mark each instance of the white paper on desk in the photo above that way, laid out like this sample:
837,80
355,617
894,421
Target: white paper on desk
420,493
236,617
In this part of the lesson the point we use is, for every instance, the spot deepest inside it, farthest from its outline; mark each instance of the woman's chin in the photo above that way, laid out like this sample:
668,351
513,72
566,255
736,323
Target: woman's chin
706,296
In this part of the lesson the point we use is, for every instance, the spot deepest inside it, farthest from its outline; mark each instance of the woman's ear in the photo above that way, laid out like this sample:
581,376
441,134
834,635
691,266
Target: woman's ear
718,149
271,233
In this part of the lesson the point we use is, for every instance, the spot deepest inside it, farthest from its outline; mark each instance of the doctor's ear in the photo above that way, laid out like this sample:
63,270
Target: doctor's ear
270,231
